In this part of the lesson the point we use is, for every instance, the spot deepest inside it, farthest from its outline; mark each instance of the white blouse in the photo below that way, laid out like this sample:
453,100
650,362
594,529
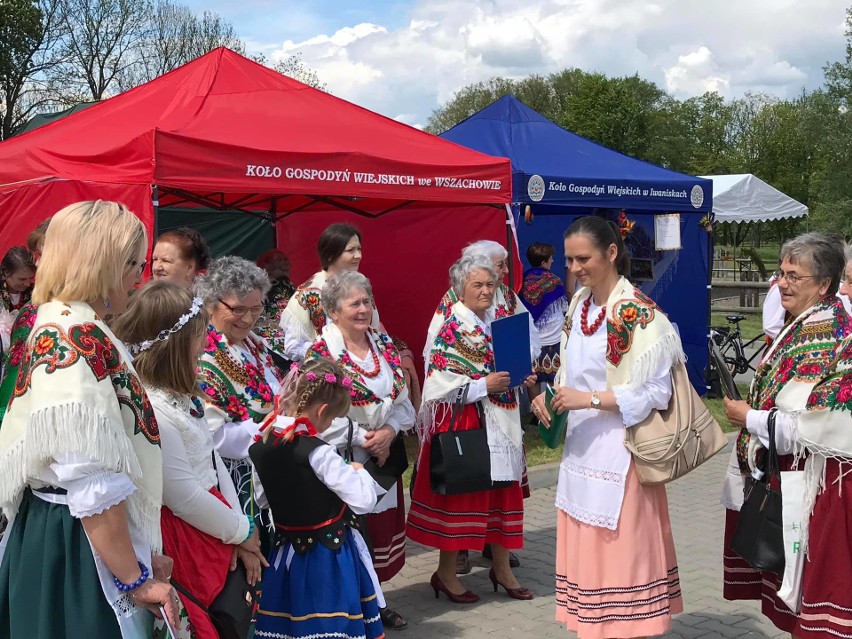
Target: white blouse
188,472
595,461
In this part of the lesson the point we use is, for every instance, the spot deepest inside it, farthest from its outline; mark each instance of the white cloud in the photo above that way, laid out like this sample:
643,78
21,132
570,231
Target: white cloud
686,47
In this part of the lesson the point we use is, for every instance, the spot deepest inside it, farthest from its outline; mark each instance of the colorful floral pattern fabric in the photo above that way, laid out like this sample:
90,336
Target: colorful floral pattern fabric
469,353
6,298
276,300
234,382
361,394
541,288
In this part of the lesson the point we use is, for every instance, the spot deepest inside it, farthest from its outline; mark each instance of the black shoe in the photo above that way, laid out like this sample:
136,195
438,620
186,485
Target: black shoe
392,620
463,562
514,562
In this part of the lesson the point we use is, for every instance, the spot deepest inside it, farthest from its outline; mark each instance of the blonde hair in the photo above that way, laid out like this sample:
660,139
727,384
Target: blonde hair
169,364
301,390
88,248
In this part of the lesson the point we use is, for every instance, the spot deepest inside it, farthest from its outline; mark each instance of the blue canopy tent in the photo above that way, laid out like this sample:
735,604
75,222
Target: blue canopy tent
560,176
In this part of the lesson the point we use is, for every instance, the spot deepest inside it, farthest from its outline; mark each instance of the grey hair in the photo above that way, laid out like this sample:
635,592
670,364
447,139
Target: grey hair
231,275
489,248
461,271
822,254
341,286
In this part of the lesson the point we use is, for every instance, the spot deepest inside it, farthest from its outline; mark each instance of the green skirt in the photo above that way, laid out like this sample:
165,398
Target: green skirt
49,587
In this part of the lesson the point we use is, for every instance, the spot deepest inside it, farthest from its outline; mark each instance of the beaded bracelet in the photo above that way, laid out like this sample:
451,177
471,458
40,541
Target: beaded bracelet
129,587
251,528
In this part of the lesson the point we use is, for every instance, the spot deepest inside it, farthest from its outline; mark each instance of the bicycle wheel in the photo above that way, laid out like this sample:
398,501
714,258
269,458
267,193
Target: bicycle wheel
729,353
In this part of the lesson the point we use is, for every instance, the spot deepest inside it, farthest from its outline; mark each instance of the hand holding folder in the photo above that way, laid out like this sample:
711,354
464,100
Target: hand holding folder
554,436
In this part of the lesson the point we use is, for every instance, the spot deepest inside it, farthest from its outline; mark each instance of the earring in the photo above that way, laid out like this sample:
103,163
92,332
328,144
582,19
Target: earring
106,303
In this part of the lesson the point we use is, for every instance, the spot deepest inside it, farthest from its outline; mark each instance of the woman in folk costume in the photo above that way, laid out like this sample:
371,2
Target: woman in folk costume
17,271
281,289
20,327
811,268
544,295
616,570
462,357
320,582
237,375
80,465
339,249
505,302
380,408
180,256
203,524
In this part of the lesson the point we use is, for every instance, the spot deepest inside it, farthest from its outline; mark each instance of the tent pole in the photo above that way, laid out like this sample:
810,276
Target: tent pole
155,200
510,238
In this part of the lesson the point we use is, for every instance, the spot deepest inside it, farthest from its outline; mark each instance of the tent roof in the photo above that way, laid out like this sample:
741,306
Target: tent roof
744,197
225,124
554,166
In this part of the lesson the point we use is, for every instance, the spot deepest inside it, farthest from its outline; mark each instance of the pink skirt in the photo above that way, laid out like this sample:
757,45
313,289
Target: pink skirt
624,582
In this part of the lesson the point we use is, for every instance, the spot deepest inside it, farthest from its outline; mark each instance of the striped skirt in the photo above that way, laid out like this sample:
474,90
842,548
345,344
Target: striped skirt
464,522
624,582
387,538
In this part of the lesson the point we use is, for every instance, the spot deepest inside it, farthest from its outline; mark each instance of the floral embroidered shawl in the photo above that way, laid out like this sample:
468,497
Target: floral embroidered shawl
277,299
305,316
540,290
797,359
6,297
368,410
233,382
17,346
505,304
462,352
77,392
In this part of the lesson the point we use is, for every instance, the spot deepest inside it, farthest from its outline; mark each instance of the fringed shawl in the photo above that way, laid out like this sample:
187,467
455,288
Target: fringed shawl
462,352
541,289
77,392
798,358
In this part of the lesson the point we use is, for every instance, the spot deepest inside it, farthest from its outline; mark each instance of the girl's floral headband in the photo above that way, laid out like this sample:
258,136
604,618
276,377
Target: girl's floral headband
329,378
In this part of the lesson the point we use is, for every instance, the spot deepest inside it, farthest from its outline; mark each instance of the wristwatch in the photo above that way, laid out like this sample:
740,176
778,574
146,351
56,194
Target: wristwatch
596,401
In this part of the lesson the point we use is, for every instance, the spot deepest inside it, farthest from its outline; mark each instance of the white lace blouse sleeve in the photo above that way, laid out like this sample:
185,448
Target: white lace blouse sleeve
91,488
637,403
355,487
188,499
757,423
296,341
231,439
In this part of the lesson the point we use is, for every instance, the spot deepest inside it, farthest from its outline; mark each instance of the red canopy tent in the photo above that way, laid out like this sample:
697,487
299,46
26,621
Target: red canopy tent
226,133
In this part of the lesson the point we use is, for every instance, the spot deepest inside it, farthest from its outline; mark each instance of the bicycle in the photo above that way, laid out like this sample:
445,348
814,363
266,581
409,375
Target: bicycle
729,339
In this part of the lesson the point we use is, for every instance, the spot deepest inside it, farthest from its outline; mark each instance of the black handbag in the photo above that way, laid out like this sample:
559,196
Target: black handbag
460,461
759,537
395,465
232,609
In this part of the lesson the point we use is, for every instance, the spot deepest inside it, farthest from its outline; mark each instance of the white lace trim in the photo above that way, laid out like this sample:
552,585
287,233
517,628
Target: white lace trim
586,516
123,606
193,432
596,474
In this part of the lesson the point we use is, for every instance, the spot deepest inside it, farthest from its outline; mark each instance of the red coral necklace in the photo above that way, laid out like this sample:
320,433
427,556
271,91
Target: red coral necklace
377,366
588,331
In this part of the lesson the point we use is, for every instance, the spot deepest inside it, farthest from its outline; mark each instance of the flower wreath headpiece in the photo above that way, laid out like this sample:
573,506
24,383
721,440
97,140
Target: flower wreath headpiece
329,378
164,335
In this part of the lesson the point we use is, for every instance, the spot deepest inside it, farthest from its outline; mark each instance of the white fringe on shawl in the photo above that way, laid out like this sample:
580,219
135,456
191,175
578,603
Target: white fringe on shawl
503,426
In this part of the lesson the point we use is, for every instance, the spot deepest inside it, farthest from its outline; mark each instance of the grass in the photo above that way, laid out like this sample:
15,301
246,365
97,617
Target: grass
717,409
751,326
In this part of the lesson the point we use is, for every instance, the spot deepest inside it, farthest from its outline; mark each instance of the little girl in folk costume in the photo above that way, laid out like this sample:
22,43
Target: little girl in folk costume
320,581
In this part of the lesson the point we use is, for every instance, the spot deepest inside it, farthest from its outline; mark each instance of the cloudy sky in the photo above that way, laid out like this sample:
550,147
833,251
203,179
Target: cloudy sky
404,58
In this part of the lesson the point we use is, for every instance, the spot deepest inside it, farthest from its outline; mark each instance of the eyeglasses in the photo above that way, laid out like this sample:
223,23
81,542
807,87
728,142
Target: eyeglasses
141,265
241,311
792,278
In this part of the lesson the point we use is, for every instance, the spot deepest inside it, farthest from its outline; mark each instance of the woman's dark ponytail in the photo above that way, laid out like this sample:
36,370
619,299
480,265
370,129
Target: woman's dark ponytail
602,234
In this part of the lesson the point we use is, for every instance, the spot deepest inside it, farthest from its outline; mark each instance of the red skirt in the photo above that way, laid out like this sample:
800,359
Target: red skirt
464,522
387,537
201,565
744,582
827,585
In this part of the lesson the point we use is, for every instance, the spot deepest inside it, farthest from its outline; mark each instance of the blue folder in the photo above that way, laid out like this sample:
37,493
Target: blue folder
511,338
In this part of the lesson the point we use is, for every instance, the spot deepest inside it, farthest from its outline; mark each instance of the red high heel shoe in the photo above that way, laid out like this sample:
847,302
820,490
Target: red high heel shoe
467,597
515,593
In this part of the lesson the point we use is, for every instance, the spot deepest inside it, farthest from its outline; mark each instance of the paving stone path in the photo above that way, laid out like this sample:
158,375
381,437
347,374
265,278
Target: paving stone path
697,520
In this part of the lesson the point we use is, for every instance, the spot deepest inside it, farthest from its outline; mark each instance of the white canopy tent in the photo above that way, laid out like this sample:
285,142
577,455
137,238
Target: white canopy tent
744,197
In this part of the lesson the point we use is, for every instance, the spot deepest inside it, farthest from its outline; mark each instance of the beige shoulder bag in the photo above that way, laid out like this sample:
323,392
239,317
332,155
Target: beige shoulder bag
669,443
